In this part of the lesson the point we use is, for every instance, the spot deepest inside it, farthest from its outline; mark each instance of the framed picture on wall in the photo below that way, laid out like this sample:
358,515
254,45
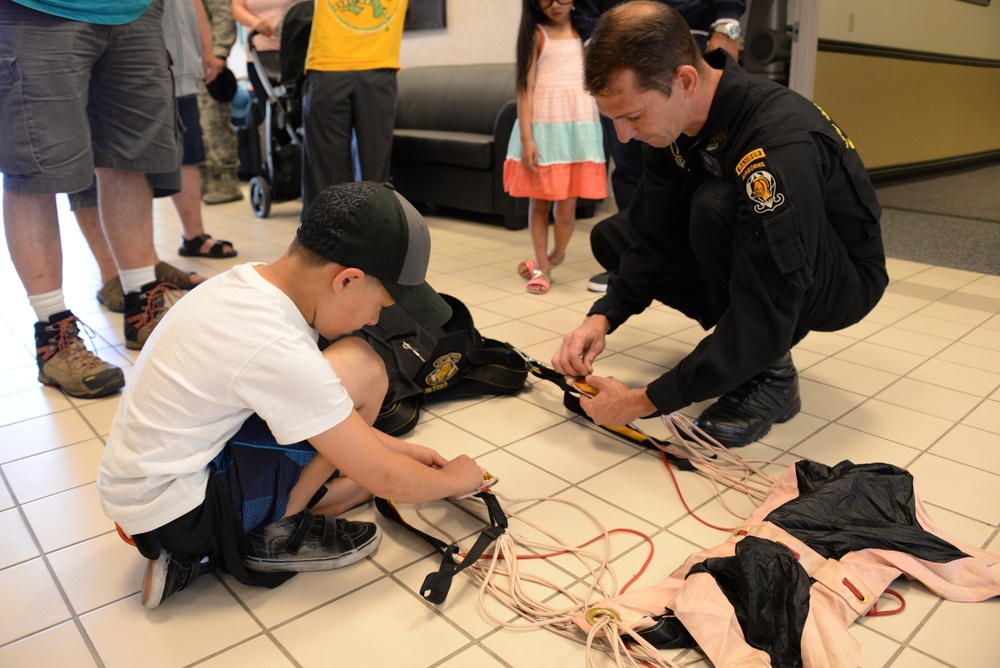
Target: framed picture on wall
426,15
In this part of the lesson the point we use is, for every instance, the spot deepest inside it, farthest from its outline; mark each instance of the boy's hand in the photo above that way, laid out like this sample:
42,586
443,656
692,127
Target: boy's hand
426,456
466,473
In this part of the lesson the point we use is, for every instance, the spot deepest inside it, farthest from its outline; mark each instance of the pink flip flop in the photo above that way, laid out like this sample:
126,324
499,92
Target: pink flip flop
527,268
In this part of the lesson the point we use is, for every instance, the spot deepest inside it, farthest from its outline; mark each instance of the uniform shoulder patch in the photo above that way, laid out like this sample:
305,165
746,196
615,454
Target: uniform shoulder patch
747,161
763,190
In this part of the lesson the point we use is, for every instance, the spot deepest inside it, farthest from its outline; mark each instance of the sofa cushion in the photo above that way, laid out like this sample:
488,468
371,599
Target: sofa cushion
462,149
456,98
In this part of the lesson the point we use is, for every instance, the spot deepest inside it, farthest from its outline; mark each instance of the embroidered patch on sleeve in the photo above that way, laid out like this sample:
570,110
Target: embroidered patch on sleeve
746,162
762,189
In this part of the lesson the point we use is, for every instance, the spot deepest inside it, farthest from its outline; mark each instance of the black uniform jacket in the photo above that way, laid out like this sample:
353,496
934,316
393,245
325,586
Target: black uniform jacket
807,251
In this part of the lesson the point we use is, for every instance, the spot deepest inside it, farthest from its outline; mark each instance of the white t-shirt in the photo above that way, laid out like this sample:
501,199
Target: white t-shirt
234,346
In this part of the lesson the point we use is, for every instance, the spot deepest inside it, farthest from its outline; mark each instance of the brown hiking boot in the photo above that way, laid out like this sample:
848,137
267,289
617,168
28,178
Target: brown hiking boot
65,362
113,298
145,309
168,273
111,295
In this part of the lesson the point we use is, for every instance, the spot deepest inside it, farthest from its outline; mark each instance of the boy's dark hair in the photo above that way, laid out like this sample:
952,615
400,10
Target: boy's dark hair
531,17
649,38
308,257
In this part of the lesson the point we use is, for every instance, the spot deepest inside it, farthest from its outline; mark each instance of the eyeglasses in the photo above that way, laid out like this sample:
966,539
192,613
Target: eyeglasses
545,4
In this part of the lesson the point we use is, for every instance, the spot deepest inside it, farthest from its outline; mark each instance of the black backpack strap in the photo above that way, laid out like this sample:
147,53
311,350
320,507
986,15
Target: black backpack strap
496,368
436,585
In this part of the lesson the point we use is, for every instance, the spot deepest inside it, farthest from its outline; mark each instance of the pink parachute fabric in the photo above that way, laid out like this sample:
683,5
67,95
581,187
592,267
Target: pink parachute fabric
812,559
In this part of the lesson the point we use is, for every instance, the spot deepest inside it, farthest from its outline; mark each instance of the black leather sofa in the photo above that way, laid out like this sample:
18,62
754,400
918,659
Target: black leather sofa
452,126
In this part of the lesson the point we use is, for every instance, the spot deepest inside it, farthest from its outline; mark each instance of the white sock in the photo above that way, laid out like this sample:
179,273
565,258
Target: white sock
134,279
47,304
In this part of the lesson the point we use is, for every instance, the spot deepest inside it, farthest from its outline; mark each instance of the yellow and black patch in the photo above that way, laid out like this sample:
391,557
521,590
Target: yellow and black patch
445,368
752,160
762,189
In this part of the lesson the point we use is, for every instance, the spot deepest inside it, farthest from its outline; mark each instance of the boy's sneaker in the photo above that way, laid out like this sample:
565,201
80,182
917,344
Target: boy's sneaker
65,362
168,575
145,309
308,542
598,283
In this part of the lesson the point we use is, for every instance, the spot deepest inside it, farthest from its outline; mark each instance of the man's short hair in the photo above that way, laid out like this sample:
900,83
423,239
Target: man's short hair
649,38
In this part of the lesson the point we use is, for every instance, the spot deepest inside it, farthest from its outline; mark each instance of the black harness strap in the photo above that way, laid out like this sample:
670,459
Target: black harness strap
436,585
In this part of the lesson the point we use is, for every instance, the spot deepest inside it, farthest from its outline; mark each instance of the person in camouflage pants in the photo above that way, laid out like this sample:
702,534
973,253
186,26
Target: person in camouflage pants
219,182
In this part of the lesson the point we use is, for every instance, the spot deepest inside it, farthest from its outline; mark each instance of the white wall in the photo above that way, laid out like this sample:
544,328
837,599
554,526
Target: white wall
478,31
948,27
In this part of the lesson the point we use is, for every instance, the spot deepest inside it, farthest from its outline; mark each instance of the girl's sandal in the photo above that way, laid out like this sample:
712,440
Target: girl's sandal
527,268
539,283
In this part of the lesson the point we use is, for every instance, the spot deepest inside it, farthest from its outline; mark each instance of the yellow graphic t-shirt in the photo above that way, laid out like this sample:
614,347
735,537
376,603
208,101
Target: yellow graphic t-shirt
352,35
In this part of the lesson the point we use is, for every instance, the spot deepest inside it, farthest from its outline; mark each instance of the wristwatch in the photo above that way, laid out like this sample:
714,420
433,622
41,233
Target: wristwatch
728,27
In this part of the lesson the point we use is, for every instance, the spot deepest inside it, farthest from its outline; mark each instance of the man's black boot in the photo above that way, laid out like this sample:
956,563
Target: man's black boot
746,412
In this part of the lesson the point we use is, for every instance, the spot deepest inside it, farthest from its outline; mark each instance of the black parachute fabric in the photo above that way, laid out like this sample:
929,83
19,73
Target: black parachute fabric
850,507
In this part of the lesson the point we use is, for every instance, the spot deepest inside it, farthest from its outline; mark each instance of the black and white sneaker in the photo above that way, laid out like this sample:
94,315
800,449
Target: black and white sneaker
308,542
598,283
168,575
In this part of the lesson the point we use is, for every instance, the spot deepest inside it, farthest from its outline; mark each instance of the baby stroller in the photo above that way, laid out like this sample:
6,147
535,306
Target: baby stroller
275,140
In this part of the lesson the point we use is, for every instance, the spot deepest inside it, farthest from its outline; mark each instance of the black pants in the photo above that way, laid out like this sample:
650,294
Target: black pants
339,106
211,530
700,255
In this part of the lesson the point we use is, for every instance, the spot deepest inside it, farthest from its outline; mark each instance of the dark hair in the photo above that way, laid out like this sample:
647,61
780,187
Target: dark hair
531,17
649,38
309,257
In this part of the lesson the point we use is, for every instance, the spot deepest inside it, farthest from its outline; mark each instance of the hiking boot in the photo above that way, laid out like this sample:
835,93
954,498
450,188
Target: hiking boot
308,542
746,413
169,574
598,283
113,298
145,309
65,362
111,295
168,273
222,189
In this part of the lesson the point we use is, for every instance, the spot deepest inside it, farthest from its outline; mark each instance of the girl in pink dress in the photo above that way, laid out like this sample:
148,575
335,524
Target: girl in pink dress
556,150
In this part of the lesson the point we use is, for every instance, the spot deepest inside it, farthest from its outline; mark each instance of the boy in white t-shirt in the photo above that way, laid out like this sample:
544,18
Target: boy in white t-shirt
237,453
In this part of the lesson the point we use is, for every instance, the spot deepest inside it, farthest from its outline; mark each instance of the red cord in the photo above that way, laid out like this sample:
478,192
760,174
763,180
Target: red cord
680,495
875,612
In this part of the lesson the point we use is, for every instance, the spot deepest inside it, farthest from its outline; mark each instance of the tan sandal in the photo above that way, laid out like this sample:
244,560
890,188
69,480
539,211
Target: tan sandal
539,283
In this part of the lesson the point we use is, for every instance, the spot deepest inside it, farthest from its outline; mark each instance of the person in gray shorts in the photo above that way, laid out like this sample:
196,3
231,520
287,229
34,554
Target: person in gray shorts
84,88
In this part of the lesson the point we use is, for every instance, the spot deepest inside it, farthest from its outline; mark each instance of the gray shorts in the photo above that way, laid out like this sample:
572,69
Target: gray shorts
75,96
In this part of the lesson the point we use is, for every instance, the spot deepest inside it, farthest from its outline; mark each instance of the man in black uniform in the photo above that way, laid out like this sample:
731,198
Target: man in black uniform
754,215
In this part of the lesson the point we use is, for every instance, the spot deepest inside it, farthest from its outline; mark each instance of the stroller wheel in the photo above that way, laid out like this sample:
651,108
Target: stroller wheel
260,197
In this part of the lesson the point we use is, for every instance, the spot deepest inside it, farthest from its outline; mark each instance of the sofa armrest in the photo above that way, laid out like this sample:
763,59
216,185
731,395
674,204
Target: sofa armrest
513,209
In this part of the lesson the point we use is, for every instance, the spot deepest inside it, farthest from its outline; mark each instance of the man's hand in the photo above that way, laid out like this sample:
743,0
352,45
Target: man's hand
720,41
581,347
213,66
615,404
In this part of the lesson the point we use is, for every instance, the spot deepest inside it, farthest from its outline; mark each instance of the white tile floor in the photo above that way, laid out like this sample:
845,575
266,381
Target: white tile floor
915,384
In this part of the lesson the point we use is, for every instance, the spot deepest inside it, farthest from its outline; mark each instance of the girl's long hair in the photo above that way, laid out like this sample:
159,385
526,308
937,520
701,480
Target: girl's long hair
531,16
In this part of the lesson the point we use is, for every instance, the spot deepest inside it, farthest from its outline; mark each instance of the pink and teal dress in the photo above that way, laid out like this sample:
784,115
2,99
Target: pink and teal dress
566,128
